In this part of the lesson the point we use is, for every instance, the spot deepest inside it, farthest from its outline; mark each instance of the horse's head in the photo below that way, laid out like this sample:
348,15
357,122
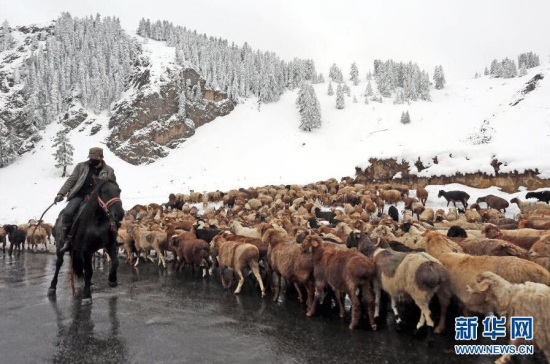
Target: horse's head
108,198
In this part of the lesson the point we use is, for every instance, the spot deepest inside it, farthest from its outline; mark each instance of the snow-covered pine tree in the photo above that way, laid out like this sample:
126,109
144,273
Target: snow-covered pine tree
405,118
64,152
522,70
354,74
424,87
340,102
369,76
476,75
182,100
368,90
346,90
330,91
486,72
321,78
7,39
439,77
508,68
366,100
354,99
495,68
529,59
308,107
333,73
399,96
8,145
316,107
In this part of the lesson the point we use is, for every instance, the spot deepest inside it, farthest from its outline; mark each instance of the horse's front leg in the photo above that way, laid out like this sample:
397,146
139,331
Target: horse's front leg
114,265
58,264
88,272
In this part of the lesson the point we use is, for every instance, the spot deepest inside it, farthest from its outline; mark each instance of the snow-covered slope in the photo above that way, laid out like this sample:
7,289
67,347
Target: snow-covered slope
261,144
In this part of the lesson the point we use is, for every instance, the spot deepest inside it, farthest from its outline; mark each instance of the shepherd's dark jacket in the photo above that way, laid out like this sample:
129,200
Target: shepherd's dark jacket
77,178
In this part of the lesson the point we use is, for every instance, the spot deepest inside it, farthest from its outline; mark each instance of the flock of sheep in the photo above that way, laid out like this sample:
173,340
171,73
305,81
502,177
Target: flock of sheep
472,254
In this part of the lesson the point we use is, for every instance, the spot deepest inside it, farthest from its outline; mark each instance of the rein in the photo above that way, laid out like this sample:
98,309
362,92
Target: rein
105,207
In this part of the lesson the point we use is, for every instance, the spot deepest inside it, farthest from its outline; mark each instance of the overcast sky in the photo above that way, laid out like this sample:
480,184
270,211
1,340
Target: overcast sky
462,35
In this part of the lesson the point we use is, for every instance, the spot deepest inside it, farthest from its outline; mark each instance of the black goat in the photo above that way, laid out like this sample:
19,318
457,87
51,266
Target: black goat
454,197
206,233
541,196
16,236
393,213
326,215
456,232
312,223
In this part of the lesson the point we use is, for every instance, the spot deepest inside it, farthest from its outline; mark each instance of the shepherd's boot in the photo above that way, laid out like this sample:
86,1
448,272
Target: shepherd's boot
65,239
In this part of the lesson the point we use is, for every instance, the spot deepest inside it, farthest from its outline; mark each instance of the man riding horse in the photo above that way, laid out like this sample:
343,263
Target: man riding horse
78,187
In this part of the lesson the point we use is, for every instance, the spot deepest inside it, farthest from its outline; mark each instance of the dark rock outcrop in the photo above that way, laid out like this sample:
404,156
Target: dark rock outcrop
145,127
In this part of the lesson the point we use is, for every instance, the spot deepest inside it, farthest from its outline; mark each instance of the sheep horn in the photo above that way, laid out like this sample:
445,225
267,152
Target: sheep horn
377,242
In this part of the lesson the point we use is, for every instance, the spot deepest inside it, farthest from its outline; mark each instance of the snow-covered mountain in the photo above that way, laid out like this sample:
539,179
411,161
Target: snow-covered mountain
466,125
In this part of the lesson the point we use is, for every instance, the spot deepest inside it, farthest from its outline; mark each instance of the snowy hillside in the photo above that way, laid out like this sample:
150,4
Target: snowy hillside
259,143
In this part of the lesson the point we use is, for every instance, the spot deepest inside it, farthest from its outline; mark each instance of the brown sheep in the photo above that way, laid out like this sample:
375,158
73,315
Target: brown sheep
147,240
534,224
487,214
542,247
390,196
528,300
191,251
286,260
452,215
418,208
403,189
427,215
492,247
422,195
472,215
36,234
524,238
128,244
464,268
237,256
49,229
344,271
409,201
495,202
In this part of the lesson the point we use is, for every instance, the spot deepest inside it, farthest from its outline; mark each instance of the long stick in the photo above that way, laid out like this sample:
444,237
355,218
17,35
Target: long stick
40,221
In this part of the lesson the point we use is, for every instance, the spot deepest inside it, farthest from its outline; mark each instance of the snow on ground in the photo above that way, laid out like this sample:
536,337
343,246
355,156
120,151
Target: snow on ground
261,144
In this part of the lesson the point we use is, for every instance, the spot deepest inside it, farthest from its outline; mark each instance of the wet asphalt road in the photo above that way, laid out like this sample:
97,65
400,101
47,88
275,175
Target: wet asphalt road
158,316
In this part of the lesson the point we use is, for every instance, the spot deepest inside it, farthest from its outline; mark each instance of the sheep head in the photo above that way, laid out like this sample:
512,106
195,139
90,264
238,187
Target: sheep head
311,243
541,247
491,231
491,286
272,237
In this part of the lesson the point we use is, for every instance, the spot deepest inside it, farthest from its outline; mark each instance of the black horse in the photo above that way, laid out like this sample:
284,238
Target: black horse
95,228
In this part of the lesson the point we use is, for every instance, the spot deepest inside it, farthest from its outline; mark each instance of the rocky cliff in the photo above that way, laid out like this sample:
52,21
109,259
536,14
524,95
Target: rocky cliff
146,126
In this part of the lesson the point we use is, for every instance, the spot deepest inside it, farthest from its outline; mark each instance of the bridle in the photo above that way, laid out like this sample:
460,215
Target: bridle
105,207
